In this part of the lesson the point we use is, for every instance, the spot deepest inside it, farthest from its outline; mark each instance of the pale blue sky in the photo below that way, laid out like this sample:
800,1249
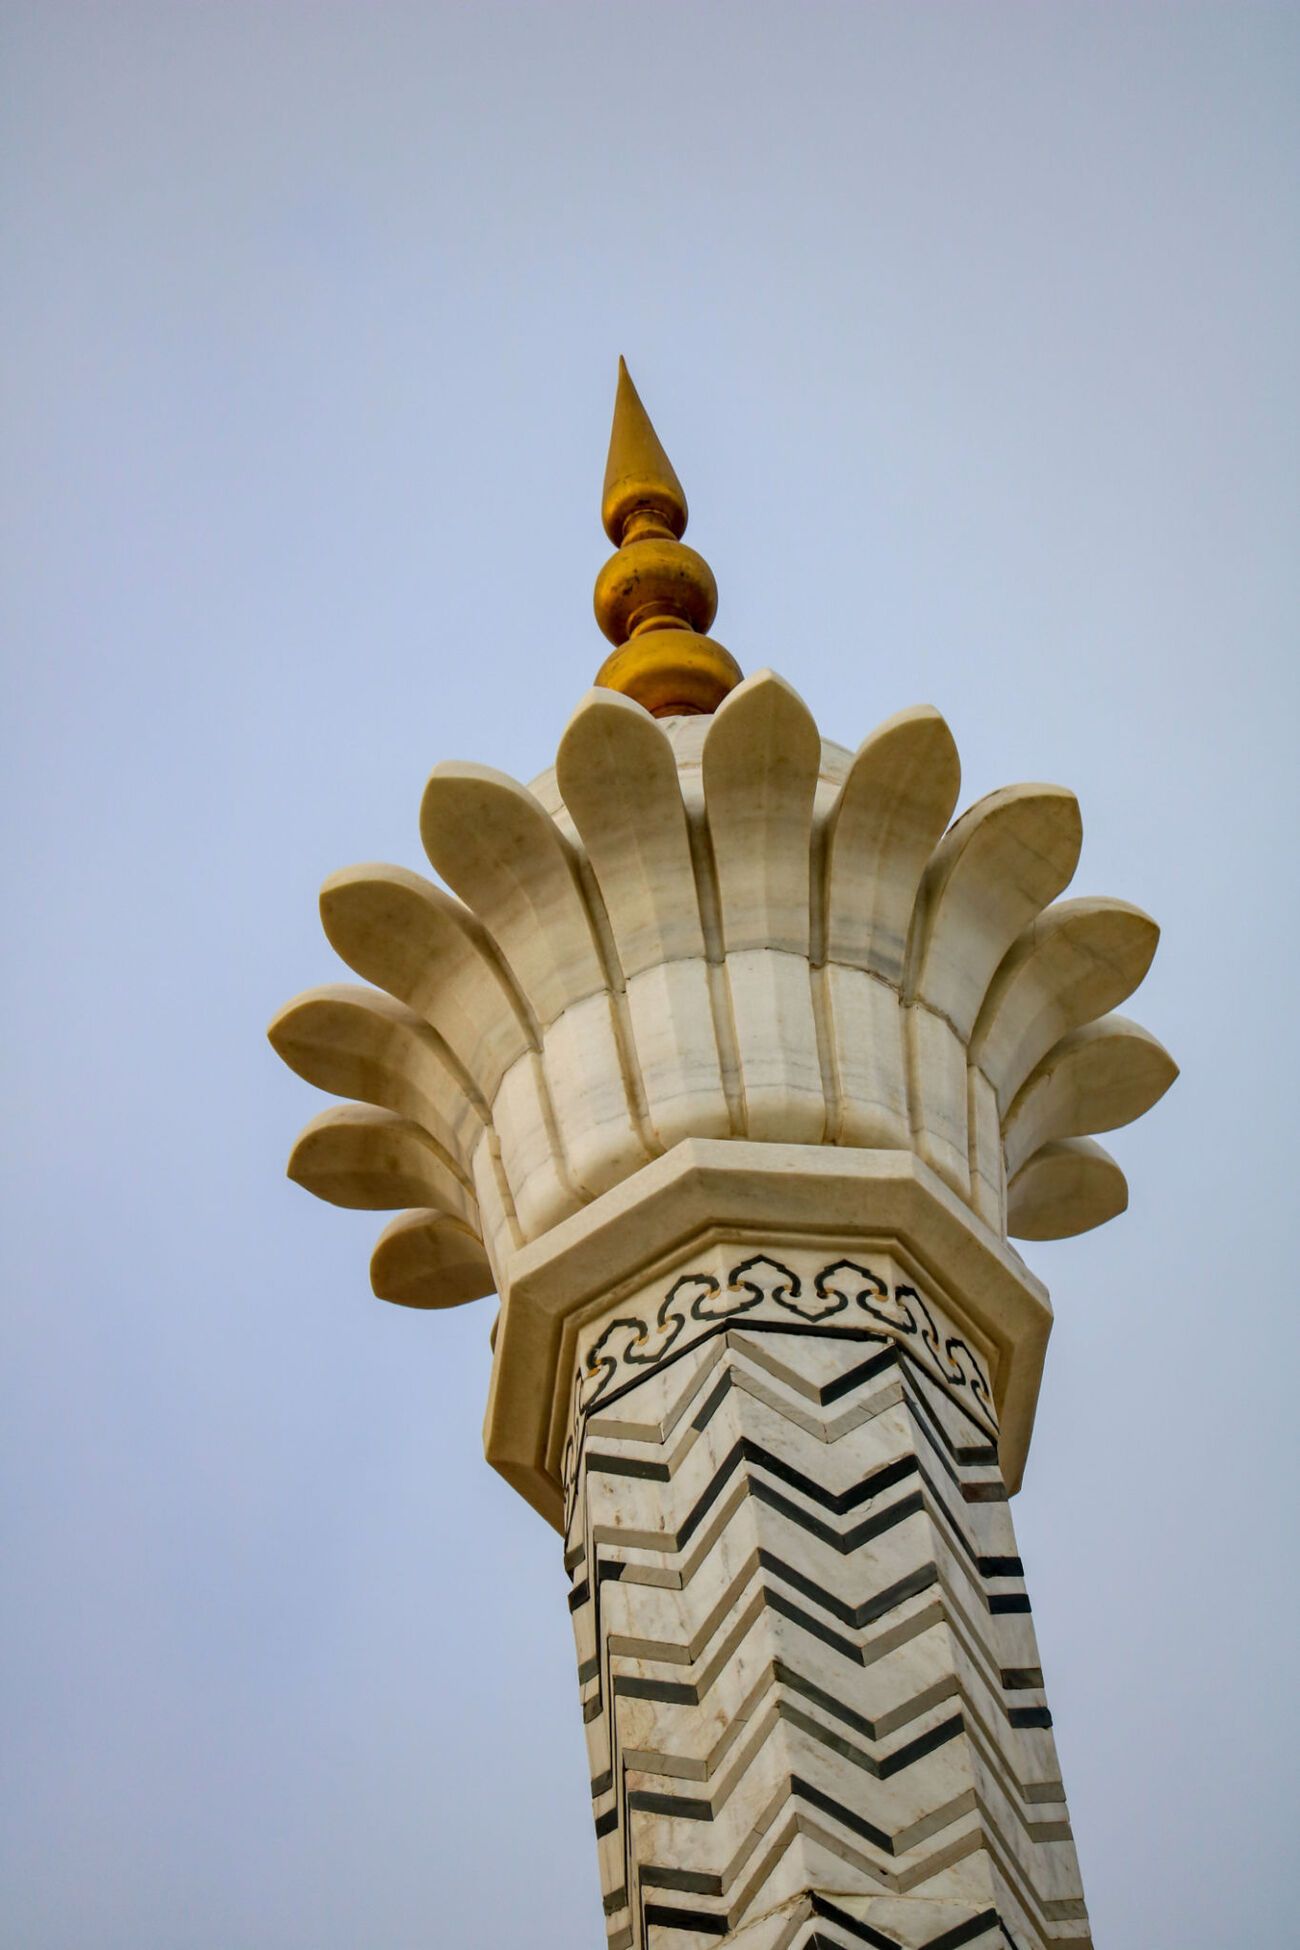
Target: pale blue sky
972,332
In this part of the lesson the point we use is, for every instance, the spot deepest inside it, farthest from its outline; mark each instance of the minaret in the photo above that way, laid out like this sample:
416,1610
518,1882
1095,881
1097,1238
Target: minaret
730,1065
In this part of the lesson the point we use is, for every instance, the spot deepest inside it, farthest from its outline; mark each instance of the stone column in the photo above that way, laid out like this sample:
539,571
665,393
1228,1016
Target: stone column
807,1666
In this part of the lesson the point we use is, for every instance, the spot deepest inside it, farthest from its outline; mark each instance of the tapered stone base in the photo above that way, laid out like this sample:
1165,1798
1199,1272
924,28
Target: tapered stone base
808,1669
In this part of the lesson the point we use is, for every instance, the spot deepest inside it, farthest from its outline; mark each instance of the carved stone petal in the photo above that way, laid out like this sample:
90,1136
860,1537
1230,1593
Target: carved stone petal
997,868
413,940
1067,1187
374,1161
1096,1078
425,1259
361,1043
762,756
890,815
1077,960
618,777
501,851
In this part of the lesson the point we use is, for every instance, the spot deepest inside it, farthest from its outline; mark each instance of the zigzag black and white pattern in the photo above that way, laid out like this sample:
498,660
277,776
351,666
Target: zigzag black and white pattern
814,1709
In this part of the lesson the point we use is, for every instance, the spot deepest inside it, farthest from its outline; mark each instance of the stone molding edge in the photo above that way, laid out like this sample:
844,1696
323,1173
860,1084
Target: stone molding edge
734,1191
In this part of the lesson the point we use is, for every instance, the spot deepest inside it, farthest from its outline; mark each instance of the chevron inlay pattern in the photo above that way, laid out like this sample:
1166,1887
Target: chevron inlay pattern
808,1670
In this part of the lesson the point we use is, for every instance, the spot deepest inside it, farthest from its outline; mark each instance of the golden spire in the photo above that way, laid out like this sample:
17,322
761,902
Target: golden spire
655,597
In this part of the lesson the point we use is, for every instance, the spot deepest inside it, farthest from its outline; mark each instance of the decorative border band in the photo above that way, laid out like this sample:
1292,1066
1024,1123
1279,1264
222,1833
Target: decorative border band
844,1294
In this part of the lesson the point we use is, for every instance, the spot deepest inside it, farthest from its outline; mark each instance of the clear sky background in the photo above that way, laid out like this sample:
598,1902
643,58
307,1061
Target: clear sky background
972,331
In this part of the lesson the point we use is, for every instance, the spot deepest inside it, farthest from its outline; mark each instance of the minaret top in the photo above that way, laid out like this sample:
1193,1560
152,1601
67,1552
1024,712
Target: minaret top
655,598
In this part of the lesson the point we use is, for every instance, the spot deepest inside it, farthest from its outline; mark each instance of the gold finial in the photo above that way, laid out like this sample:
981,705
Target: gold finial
655,597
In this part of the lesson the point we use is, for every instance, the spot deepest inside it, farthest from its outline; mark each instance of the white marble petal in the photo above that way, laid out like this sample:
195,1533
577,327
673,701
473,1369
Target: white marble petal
992,873
616,772
426,1259
504,855
1095,1079
361,1043
409,937
762,756
890,815
375,1161
1076,961
1065,1188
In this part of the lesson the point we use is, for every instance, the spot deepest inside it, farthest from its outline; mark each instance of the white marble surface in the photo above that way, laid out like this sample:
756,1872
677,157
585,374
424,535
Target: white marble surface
806,1660
727,926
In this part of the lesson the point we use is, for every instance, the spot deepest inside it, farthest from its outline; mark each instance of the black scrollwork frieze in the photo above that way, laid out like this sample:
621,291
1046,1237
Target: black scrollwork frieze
952,1355
843,1290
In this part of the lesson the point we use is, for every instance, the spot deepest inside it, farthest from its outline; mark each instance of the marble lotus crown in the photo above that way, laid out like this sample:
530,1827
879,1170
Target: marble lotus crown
717,926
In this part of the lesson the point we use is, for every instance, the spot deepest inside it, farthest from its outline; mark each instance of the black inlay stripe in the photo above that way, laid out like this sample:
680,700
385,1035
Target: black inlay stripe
873,1526
896,1513
880,1770
925,1743
967,1932
845,1816
731,1326
786,1675
579,1596
841,1501
851,1540
682,1807
950,1939
866,1614
666,1918
606,1823
851,1925
814,1626
863,1932
923,1411
748,1451
687,1882
1001,1567
796,1682
857,1615
671,1692
1017,1679
838,1503
668,1692
714,1402
727,1469
978,1455
605,1465
854,1377
886,1477
844,1385
1004,1601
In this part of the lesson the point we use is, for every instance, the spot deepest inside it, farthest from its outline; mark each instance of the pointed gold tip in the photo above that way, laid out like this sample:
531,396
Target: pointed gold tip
638,473
655,597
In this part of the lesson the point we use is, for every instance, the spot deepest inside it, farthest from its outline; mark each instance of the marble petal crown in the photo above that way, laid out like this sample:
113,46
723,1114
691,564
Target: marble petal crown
709,921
